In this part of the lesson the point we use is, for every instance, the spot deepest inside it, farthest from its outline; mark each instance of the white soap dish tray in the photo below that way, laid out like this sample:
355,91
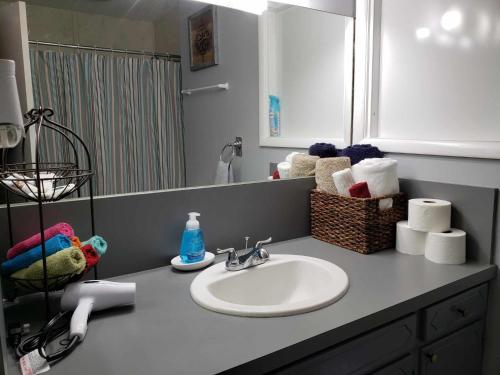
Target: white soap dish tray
179,265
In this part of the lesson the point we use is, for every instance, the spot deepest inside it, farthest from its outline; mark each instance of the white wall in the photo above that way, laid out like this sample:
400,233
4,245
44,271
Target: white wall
308,72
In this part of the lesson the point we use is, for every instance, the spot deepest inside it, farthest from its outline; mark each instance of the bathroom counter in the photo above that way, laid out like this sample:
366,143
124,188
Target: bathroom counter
167,333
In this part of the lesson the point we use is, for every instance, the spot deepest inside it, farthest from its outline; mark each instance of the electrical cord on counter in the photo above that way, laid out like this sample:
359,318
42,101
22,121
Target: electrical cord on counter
55,328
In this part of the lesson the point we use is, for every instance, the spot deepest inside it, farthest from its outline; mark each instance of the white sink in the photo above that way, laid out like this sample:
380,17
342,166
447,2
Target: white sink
284,285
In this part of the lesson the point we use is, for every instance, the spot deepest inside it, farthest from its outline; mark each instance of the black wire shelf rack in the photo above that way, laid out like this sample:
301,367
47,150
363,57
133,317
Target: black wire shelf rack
38,285
35,179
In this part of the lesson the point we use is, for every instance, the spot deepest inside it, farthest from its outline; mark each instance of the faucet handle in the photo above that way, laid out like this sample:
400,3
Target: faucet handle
229,250
232,256
259,244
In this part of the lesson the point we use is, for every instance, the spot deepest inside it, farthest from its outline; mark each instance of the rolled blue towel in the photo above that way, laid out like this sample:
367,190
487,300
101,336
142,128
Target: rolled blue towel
359,152
52,246
323,150
98,243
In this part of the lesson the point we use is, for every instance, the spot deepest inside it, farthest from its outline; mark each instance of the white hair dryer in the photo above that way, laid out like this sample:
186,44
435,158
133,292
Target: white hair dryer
94,295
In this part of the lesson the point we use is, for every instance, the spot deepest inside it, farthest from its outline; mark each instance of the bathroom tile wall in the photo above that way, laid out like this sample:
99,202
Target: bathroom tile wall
74,27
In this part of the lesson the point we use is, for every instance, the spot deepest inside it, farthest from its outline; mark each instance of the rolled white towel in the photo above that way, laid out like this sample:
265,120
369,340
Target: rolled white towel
8,181
56,192
47,180
381,176
26,188
343,180
284,169
290,156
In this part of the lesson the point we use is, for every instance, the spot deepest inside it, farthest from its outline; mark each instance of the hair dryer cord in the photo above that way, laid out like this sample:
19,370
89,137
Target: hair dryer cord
55,328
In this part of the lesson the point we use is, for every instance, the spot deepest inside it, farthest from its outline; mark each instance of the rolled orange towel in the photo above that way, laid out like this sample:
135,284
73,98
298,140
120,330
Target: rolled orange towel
75,242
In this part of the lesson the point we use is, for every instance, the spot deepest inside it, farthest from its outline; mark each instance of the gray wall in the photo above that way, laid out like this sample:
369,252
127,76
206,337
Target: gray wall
144,230
478,172
214,118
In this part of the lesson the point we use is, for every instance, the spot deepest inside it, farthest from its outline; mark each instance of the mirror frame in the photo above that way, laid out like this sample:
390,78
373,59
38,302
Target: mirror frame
341,7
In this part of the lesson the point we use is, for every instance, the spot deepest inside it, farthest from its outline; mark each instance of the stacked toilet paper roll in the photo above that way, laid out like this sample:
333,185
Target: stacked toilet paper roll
427,232
447,247
429,215
408,240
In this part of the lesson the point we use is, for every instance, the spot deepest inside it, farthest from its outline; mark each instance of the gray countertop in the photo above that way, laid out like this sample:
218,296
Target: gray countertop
167,333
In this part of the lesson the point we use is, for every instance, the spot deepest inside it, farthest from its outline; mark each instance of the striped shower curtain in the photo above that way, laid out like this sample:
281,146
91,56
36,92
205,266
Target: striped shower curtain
127,109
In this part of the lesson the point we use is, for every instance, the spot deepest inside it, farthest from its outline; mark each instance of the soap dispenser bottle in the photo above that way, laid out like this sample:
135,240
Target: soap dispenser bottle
192,246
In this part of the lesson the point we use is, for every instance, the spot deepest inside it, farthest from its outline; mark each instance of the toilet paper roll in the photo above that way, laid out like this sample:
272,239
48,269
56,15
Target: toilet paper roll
447,247
429,215
408,240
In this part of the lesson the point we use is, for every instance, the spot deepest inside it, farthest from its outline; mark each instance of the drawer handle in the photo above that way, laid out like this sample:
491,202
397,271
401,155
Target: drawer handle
460,310
433,357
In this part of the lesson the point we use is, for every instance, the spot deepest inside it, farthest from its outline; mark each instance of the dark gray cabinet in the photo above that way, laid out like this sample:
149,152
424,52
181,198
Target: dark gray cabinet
457,354
455,312
405,366
363,354
446,340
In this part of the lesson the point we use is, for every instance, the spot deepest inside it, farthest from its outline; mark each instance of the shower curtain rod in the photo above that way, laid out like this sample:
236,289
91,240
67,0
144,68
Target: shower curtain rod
168,56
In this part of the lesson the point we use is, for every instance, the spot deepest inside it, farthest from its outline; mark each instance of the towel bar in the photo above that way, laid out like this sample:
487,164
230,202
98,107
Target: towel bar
220,86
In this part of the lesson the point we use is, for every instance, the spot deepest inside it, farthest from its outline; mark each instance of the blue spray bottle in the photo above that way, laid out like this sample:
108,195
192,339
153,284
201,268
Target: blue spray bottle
193,245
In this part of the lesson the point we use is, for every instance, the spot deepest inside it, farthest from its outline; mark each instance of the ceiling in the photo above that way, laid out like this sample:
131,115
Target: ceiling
146,10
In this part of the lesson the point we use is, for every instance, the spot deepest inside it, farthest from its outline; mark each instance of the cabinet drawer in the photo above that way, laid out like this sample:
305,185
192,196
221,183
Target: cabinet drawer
457,354
405,366
362,354
454,312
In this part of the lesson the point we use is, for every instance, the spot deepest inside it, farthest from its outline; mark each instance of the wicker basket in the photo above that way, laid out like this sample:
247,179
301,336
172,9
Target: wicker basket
355,223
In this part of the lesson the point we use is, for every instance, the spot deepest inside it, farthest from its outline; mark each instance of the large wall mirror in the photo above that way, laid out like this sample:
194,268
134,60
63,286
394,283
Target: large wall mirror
166,92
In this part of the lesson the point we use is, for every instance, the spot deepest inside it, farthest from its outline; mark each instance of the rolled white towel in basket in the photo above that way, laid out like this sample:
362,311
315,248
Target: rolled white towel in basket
290,156
381,176
343,180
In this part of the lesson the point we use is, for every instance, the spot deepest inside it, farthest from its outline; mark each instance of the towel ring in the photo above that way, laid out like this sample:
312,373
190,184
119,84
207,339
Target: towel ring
236,149
233,152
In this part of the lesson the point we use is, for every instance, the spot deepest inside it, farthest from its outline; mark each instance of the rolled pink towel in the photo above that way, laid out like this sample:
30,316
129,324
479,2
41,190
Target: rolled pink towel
35,240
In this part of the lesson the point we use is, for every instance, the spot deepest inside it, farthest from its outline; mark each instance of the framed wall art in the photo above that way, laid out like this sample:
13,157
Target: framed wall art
203,38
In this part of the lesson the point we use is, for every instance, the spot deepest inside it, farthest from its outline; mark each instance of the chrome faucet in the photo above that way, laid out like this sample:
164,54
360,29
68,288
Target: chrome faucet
239,260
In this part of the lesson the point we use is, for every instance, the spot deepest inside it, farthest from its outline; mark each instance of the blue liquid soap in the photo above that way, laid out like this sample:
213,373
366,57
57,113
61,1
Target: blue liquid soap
274,116
192,245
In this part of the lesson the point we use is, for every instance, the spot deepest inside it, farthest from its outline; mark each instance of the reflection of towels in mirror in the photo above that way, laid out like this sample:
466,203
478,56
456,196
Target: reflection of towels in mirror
224,174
